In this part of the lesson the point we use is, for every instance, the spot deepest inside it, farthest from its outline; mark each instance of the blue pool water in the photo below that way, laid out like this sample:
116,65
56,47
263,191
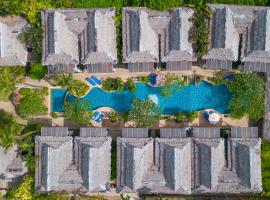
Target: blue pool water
190,98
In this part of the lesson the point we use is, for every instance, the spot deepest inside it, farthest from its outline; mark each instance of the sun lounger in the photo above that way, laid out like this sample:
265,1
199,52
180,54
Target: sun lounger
95,115
100,118
91,81
96,80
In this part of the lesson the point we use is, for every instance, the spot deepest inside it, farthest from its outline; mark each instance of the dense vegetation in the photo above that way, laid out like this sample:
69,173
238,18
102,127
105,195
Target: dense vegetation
31,102
77,111
247,96
9,77
79,88
265,156
64,80
144,113
38,71
113,84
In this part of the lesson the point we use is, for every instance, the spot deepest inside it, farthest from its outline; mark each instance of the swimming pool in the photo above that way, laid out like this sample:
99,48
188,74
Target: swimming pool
190,98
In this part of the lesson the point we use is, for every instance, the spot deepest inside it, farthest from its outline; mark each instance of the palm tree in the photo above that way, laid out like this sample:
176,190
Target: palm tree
63,80
12,133
200,7
8,83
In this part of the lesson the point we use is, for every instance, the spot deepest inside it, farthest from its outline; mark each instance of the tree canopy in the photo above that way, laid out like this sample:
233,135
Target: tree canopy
247,91
144,113
63,80
77,111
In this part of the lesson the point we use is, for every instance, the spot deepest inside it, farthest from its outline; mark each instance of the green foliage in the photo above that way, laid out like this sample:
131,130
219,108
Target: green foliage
27,146
31,9
200,34
143,79
63,80
144,113
38,71
247,91
197,79
113,117
31,103
113,160
179,117
217,80
265,156
32,36
113,84
8,7
77,111
54,115
191,116
26,191
124,115
130,85
9,77
79,88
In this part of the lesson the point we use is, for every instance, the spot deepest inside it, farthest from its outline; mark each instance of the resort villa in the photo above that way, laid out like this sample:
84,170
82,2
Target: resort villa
131,107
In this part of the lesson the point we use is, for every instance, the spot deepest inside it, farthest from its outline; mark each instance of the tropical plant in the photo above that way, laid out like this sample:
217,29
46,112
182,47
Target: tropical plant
8,7
64,80
113,84
9,77
113,117
8,134
77,111
32,36
31,103
26,191
143,79
113,160
247,91
265,156
79,88
191,116
130,85
38,71
179,117
144,113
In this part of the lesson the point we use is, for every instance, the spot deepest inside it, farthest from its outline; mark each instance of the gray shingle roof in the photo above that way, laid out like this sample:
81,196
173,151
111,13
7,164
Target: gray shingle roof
11,165
54,131
135,132
93,132
79,164
178,46
244,132
188,165
206,132
12,51
251,23
224,35
67,30
142,28
173,132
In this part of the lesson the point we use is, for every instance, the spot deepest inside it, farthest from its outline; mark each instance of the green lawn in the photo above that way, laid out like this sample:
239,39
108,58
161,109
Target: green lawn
265,155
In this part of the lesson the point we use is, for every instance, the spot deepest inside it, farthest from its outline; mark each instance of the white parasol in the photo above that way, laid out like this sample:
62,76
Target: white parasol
213,118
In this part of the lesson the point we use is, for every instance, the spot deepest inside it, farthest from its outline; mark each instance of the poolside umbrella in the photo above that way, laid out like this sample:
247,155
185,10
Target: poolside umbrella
213,118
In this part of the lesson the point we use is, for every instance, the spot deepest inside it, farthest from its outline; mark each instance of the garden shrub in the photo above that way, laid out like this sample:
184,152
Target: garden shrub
130,85
38,71
31,103
114,160
113,117
179,117
113,84
79,88
143,79
191,116
265,156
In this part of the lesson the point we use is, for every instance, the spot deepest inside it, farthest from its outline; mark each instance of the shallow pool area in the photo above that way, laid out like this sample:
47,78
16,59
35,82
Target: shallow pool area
190,98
